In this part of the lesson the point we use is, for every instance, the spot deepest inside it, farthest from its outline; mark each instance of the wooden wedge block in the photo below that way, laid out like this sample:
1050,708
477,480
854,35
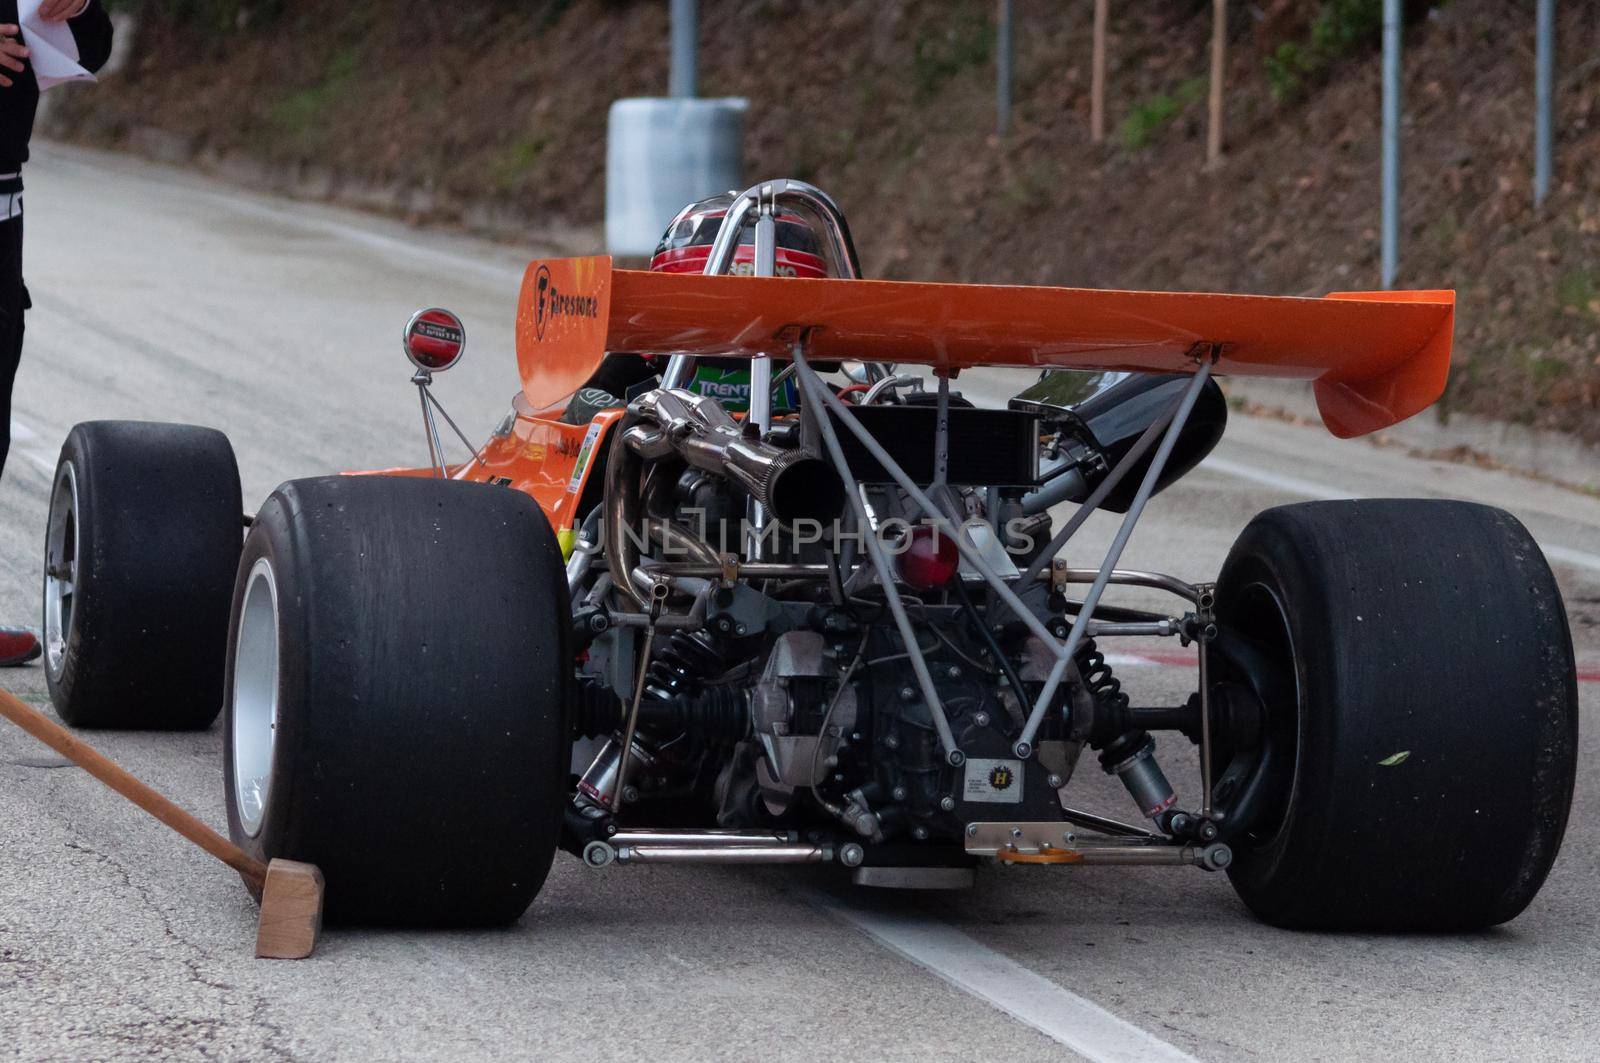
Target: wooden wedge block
291,911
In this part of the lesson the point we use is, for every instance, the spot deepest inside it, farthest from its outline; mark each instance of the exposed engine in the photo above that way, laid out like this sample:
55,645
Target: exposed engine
778,692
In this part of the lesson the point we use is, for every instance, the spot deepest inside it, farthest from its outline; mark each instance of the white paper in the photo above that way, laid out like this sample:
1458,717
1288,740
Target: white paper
51,48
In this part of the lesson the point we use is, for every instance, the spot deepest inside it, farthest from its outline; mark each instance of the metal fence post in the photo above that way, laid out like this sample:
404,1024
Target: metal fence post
683,81
1544,76
1097,74
1004,53
1391,140
1219,65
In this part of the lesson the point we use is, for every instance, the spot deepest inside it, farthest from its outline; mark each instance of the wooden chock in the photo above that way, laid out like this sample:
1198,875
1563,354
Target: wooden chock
291,911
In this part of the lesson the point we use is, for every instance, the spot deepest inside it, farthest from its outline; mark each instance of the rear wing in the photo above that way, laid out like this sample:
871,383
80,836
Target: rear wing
1376,358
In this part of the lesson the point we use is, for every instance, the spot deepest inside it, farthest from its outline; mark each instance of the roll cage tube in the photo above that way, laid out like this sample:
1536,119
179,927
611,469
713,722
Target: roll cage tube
839,249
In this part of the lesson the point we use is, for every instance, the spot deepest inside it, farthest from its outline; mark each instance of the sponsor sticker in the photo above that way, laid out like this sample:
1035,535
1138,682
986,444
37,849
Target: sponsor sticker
585,452
997,781
552,302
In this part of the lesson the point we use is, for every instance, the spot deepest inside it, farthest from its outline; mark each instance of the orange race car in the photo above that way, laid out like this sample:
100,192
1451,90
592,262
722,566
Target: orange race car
743,577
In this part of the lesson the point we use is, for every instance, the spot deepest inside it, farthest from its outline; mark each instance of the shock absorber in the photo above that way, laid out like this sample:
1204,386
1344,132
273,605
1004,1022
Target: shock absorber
1099,679
679,667
1131,755
1132,758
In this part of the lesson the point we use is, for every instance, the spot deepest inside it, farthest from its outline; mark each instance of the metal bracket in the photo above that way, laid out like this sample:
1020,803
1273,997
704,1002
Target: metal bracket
424,380
992,839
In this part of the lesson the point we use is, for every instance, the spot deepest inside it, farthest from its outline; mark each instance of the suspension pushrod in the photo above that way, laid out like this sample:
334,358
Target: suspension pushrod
1080,625
817,392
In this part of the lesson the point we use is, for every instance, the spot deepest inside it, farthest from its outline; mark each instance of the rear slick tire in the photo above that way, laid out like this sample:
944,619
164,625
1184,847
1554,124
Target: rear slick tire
141,544
1427,650
398,672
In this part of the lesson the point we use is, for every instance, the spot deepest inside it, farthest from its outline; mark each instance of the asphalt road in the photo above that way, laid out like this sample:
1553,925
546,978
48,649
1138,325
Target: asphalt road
163,296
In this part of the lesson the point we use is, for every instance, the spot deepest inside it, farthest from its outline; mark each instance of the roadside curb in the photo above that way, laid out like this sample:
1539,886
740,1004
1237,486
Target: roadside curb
1463,437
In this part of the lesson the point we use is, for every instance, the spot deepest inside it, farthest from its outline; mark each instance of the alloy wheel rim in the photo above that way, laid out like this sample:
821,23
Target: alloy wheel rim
255,696
61,570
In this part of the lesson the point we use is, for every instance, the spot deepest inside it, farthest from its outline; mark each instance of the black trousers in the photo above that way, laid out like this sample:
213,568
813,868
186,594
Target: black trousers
13,301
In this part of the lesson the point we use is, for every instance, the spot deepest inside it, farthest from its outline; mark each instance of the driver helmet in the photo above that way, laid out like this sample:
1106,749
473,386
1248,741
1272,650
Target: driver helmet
686,245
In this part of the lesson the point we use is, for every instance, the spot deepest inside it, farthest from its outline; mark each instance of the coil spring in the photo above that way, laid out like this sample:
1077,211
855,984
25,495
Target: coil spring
681,665
1098,677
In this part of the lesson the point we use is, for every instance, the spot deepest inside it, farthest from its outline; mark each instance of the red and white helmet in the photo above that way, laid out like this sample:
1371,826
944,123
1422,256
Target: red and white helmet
687,243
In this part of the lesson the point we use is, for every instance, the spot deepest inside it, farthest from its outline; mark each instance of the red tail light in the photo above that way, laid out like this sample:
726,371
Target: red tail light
928,559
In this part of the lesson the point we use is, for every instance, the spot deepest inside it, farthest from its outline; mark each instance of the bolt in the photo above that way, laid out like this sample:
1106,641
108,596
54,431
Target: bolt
947,803
981,719
1016,832
1055,782
851,854
1022,750
972,830
1068,837
908,694
891,742
954,671
599,622
919,833
739,629
898,793
630,794
1208,831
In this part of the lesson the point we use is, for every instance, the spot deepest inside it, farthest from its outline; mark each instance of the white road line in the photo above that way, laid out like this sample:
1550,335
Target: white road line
1079,1024
1310,489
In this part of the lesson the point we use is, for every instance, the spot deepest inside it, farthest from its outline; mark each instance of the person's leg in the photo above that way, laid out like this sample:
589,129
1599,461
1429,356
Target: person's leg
13,303
17,645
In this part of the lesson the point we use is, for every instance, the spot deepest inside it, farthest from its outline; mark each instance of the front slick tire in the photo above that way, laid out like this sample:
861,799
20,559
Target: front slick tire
398,668
1437,714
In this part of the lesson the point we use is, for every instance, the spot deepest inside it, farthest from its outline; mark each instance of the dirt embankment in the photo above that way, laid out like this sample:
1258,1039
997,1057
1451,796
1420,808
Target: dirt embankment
490,108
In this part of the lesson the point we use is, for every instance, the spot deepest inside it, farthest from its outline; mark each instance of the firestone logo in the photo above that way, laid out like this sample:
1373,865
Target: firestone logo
551,303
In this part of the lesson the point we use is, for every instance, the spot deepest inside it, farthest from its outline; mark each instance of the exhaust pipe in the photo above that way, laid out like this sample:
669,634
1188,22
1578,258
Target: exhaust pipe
790,484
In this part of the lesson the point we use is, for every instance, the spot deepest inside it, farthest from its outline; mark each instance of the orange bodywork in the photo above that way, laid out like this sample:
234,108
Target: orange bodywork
541,457
1376,357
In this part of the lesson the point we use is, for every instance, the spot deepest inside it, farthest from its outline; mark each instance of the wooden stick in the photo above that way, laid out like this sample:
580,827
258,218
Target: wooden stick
92,761
1219,62
1097,78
